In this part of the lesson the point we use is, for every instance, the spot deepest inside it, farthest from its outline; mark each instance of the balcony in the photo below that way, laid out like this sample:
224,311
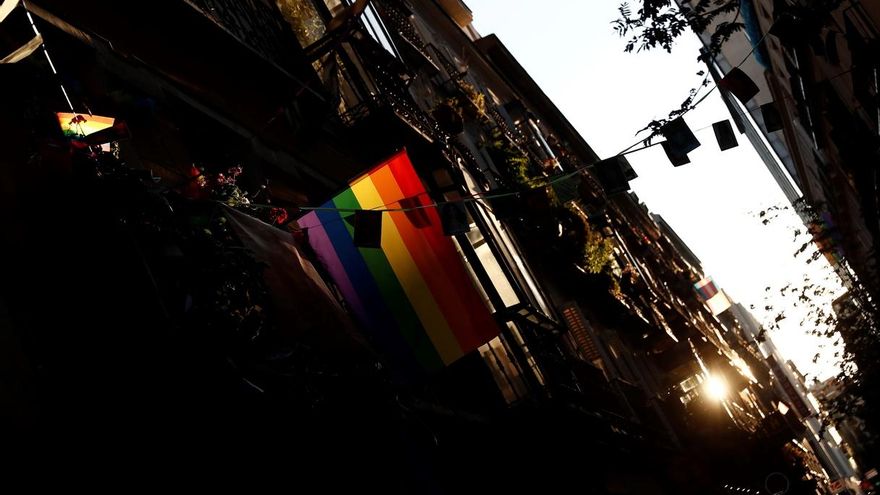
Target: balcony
596,389
396,16
371,90
778,429
678,360
254,23
380,106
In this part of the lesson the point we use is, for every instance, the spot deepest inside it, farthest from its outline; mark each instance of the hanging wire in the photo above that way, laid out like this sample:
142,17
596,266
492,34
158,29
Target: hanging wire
544,181
46,53
705,79
537,182
474,197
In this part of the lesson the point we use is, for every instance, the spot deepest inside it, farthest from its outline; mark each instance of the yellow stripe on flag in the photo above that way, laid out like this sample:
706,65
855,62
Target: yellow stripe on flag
407,272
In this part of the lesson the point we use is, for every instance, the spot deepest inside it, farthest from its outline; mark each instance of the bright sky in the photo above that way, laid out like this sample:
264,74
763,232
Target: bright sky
571,50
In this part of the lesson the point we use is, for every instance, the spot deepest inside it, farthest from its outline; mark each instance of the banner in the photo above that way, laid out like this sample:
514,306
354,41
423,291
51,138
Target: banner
706,288
719,303
304,307
77,125
413,292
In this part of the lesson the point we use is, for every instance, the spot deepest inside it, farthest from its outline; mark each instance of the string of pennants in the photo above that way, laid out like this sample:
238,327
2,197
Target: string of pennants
19,38
613,173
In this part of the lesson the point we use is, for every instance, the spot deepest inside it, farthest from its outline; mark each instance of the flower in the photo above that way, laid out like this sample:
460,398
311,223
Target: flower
278,216
195,185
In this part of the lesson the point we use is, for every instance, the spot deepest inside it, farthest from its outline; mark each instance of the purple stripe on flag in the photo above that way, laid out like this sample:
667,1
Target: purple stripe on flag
327,255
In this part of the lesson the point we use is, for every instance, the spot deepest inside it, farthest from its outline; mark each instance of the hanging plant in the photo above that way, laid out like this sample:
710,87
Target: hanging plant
594,251
448,115
598,251
473,103
466,103
511,162
223,187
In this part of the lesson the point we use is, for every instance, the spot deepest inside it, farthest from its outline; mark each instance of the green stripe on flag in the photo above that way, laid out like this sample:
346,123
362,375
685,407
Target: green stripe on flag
393,294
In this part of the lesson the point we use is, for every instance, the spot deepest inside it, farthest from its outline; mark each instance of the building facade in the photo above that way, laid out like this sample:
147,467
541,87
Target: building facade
816,81
606,369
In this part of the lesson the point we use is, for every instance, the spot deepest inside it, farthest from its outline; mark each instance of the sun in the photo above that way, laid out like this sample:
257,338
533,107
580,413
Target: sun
715,387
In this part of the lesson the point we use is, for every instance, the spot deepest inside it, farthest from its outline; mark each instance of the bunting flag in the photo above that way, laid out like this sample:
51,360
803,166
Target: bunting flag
367,229
677,159
792,24
414,293
772,119
724,134
628,171
679,136
454,218
610,173
737,82
715,299
17,36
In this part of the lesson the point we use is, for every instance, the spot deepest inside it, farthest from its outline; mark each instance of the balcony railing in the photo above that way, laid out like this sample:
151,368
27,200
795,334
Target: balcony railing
255,23
396,15
405,109
451,67
390,95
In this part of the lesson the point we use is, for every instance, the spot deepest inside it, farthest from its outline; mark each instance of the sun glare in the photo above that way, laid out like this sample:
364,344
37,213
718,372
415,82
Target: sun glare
715,387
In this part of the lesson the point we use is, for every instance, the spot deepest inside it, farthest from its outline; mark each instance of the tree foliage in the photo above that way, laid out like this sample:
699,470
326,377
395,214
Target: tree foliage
658,23
850,323
512,162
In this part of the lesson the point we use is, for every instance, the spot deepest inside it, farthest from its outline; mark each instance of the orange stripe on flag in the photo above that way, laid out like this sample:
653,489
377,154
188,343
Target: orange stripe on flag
411,277
478,327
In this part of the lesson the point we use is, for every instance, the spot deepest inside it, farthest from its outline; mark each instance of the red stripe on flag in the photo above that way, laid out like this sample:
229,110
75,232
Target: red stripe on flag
474,325
433,271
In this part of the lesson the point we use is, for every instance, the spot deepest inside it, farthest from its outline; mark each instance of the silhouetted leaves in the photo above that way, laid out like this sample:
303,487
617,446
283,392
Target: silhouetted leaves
658,23
856,339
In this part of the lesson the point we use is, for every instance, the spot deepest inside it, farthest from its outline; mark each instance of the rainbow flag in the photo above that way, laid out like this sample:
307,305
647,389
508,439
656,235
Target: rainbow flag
829,239
414,293
706,288
78,125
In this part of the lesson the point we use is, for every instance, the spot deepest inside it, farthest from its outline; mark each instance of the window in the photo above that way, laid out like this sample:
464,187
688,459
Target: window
376,29
691,389
304,19
504,370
